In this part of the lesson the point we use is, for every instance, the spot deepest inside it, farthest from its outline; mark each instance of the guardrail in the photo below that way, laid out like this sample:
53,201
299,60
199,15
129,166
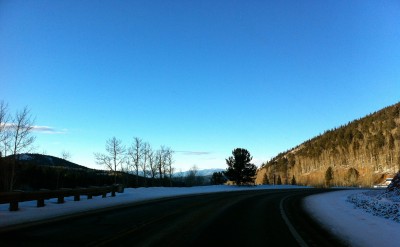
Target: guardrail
15,197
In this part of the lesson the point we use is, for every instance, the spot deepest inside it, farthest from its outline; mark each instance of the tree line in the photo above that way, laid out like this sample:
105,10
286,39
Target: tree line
140,159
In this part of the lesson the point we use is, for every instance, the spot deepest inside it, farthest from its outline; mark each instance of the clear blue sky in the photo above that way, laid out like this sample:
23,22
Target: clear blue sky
202,77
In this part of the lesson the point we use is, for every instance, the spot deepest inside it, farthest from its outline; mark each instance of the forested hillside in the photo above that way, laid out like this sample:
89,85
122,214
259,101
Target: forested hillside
47,160
361,153
38,171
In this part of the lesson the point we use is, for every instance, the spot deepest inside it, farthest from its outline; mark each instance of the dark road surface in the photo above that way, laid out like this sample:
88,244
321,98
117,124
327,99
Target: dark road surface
247,218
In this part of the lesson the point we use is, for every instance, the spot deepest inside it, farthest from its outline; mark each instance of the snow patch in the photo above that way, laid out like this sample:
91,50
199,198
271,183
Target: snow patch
378,203
357,227
24,157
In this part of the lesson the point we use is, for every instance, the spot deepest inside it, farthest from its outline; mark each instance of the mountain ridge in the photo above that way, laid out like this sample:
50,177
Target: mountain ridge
47,160
362,152
200,172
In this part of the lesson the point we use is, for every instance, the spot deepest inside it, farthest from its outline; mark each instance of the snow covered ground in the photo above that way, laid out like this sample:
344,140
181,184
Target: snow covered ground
344,213
359,217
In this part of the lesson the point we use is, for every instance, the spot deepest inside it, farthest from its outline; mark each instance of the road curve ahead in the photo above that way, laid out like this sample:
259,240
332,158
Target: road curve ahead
246,218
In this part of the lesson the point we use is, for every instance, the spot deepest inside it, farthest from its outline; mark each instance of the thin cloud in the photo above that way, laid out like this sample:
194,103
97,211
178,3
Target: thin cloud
38,129
47,130
194,152
7,125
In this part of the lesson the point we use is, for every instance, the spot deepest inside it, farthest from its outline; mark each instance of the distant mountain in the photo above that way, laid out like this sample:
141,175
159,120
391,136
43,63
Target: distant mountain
209,172
363,152
200,173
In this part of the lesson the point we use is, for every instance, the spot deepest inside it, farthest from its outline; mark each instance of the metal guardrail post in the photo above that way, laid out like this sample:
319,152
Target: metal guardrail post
60,199
62,193
14,206
114,188
14,202
42,196
40,202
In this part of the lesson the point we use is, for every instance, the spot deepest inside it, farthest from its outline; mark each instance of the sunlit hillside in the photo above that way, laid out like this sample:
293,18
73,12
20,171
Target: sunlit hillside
361,153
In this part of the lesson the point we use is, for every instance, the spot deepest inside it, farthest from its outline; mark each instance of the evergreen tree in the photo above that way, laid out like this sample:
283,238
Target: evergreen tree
352,176
294,180
329,176
265,179
217,178
240,170
279,182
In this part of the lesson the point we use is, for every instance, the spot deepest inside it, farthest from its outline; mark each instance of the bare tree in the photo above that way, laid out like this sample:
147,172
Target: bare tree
160,162
152,164
125,171
4,133
163,160
114,158
5,145
21,130
144,165
168,163
135,154
191,177
21,140
66,155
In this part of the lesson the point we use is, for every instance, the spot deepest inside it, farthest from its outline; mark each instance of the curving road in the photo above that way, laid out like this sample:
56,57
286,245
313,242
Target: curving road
247,218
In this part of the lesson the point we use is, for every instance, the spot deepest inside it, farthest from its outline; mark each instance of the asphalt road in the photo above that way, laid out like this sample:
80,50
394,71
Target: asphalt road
247,218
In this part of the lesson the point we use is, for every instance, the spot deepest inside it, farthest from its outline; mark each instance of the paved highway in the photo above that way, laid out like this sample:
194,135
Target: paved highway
247,218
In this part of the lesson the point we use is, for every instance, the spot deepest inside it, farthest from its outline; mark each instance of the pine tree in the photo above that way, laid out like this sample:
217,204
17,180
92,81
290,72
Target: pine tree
293,180
240,170
279,180
265,179
217,178
329,176
352,176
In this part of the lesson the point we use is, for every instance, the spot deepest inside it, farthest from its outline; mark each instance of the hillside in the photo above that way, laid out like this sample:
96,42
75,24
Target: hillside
361,153
47,160
38,171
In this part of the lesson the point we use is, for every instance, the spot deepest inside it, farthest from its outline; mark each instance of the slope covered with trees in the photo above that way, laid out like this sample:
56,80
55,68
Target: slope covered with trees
361,153
38,171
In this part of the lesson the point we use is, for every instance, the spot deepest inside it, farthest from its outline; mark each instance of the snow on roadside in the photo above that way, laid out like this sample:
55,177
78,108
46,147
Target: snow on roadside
384,204
28,212
357,227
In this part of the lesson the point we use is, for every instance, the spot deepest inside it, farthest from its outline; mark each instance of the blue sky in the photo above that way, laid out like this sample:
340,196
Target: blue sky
202,77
